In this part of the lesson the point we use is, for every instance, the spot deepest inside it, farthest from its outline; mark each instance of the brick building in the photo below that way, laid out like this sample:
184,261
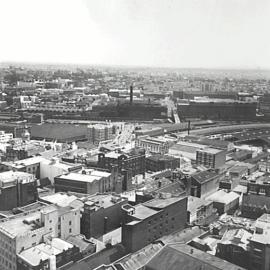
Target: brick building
161,162
145,223
101,214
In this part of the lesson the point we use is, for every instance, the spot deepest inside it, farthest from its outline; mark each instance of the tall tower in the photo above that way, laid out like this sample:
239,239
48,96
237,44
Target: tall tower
131,94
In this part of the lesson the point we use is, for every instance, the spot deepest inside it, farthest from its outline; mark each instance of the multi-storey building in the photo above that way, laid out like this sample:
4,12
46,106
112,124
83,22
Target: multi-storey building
210,157
128,164
98,133
87,181
161,162
22,151
133,161
26,230
17,189
5,137
145,223
256,201
29,165
55,253
152,145
204,183
101,214
16,129
218,109
259,245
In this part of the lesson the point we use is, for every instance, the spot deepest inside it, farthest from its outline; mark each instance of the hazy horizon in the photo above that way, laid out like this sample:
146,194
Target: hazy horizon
177,34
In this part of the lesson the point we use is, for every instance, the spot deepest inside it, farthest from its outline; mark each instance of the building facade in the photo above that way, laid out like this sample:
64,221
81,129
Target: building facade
17,189
152,145
26,230
102,214
161,162
210,157
86,181
98,133
145,223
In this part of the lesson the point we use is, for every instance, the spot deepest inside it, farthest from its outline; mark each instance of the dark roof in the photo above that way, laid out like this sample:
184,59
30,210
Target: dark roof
256,201
204,176
258,158
95,260
238,169
241,154
80,241
61,132
221,144
182,236
135,261
215,143
161,157
184,257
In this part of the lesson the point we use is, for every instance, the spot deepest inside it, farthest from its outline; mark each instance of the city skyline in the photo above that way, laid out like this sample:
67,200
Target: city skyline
177,34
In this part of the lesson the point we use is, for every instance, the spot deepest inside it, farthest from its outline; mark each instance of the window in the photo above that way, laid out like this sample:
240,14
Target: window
70,223
70,230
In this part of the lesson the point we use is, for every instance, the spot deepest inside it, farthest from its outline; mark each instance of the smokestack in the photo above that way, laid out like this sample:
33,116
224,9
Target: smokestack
105,224
131,94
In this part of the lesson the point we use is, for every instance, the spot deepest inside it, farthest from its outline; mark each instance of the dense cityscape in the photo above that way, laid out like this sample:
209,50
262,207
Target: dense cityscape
121,168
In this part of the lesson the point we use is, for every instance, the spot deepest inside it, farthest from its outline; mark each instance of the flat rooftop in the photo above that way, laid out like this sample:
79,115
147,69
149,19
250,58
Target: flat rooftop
143,212
9,176
194,203
80,177
161,203
61,199
211,150
16,226
103,201
42,252
223,197
24,162
113,155
95,172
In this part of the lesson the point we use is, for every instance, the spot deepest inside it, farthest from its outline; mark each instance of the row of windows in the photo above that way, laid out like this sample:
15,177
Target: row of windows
160,218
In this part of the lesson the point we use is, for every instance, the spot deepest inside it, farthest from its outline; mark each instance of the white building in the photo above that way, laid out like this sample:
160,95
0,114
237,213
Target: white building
153,145
24,231
52,168
5,137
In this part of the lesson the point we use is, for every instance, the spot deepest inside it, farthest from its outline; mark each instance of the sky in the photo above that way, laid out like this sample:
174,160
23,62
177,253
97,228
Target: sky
158,33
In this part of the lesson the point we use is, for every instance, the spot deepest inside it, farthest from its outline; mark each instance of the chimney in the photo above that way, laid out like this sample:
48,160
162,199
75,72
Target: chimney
105,224
131,94
52,262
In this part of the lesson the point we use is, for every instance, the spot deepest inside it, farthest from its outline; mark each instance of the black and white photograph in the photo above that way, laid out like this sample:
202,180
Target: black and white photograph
134,135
